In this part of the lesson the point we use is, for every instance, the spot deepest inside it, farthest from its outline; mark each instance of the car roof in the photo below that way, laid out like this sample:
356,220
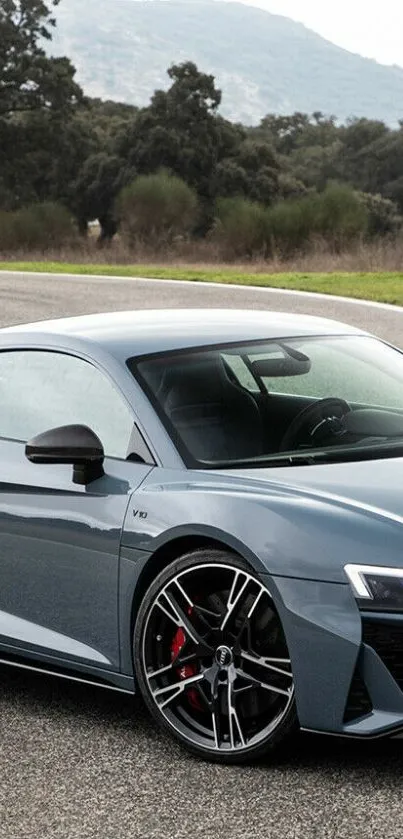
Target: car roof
136,333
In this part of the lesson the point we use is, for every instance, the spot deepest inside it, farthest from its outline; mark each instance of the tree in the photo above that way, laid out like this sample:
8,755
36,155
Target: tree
194,93
317,164
41,155
283,132
381,166
359,137
181,131
252,172
29,80
39,145
94,192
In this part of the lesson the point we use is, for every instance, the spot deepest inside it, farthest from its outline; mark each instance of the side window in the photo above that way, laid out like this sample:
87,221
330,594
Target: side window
41,390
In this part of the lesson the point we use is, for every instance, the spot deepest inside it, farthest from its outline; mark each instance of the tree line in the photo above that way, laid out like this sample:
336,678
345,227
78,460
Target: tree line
177,168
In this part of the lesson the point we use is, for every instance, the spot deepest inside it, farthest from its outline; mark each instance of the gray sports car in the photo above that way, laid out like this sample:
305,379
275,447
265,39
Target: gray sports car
207,506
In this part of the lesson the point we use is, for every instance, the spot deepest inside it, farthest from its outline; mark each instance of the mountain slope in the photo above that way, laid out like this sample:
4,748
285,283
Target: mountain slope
263,62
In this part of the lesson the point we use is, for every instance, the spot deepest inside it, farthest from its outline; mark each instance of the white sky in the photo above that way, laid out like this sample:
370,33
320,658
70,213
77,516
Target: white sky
369,27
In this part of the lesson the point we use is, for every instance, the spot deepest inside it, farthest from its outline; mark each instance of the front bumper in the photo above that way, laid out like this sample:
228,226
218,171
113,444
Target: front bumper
347,664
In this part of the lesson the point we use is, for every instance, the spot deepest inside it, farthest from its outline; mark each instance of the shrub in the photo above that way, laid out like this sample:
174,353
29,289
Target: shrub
336,215
383,215
241,227
37,227
292,223
155,209
341,216
291,187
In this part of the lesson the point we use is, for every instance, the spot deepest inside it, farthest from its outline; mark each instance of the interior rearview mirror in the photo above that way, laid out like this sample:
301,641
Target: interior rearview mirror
71,444
292,363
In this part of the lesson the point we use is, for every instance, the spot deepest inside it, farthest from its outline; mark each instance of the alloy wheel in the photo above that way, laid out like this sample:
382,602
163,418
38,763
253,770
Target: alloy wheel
215,660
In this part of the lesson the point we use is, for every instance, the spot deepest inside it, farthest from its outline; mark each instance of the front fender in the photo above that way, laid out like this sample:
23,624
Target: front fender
279,532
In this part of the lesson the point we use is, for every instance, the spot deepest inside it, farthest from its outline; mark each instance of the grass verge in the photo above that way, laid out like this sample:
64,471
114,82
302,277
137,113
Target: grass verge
384,287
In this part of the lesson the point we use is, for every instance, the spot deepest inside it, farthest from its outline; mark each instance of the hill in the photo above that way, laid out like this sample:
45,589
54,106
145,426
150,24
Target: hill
264,63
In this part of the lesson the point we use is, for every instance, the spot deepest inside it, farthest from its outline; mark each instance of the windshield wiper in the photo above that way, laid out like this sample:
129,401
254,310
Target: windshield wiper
320,456
303,459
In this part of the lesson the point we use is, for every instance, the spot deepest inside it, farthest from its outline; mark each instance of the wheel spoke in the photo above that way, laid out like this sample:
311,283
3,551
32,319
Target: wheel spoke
211,620
159,672
233,720
215,729
176,689
263,685
215,714
183,593
234,600
261,661
243,598
167,603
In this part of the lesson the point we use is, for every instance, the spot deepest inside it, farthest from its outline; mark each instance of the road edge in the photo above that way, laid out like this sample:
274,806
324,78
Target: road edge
287,292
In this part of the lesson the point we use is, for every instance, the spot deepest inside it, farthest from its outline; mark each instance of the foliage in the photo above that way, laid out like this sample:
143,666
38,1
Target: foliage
37,227
383,215
252,171
340,215
178,166
40,157
336,215
40,140
292,224
156,208
241,227
95,190
29,79
180,131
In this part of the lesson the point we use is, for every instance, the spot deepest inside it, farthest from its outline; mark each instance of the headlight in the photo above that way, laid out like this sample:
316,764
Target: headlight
377,588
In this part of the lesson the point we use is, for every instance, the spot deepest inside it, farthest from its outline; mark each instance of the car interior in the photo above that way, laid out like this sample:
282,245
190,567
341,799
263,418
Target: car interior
221,407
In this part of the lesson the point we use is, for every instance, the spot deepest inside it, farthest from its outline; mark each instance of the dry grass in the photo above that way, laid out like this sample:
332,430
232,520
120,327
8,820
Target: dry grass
361,258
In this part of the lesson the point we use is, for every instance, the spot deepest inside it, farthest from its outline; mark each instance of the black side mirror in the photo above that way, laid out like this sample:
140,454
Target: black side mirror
75,444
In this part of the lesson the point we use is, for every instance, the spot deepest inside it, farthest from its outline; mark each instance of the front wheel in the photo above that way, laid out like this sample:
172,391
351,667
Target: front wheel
211,658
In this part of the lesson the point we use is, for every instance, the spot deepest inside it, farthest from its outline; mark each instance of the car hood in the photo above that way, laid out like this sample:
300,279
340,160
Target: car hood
373,486
299,522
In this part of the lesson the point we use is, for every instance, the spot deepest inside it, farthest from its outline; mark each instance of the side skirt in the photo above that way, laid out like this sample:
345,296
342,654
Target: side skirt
59,669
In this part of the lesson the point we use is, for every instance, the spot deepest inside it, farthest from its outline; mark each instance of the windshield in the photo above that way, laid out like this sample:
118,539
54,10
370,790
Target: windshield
299,400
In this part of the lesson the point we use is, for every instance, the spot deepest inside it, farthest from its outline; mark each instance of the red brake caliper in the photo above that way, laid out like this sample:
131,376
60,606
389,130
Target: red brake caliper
187,670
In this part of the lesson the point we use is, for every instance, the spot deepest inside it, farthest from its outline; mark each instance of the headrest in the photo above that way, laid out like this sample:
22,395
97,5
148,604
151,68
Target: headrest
200,376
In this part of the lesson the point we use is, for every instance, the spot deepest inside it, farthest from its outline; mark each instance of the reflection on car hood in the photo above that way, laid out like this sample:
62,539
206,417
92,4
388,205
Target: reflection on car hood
376,485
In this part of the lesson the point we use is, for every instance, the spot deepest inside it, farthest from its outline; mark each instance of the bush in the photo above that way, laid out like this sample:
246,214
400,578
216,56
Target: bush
383,215
291,187
37,227
341,216
292,224
241,227
155,209
336,215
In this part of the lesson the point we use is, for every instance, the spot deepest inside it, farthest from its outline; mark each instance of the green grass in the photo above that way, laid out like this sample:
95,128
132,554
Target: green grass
385,287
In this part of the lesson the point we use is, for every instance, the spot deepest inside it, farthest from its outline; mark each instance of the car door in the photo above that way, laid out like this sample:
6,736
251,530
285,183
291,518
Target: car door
59,542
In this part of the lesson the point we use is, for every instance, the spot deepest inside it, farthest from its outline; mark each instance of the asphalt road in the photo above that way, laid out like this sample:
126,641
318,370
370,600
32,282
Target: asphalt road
81,763
32,297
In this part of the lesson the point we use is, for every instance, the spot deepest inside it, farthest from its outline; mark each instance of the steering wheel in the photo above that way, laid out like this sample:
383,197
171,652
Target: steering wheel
317,415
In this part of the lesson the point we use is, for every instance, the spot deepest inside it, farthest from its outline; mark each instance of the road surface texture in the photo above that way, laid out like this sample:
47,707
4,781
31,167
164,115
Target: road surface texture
82,763
32,297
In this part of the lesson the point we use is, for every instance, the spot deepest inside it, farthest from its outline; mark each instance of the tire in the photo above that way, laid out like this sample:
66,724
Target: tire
211,659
